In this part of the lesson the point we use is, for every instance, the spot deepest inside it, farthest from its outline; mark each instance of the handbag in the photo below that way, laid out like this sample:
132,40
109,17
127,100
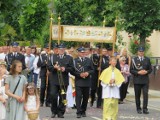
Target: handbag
9,99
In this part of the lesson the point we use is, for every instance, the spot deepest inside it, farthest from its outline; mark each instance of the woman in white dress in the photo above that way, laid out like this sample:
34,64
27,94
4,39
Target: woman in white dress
3,96
32,102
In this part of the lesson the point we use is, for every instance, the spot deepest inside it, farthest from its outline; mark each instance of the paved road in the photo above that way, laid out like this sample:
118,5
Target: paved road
127,111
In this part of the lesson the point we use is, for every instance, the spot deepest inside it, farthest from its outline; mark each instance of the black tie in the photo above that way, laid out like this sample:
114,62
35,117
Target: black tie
82,59
14,55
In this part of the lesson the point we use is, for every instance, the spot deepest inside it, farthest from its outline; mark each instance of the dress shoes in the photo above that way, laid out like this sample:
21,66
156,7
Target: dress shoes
48,105
78,115
53,115
41,105
91,104
145,112
139,111
60,116
120,102
84,114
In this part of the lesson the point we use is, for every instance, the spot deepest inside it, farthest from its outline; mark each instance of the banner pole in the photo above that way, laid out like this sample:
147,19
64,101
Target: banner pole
115,35
100,61
51,19
59,29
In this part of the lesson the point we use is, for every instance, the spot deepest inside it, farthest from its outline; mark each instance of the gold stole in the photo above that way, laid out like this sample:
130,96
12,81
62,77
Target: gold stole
105,76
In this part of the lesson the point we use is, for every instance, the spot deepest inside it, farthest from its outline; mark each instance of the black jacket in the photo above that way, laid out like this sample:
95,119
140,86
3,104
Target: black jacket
66,62
136,66
42,63
79,67
10,58
94,76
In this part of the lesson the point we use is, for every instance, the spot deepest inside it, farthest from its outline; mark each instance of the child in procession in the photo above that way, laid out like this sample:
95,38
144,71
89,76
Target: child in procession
32,103
111,79
3,96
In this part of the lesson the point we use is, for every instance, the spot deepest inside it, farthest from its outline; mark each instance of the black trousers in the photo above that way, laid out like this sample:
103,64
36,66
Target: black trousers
57,99
123,91
138,88
42,91
82,96
99,96
93,95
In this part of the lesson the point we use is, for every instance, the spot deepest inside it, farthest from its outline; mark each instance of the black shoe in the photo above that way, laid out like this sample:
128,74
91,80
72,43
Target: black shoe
53,115
84,114
120,102
78,115
139,111
74,107
91,104
145,112
60,116
41,105
48,105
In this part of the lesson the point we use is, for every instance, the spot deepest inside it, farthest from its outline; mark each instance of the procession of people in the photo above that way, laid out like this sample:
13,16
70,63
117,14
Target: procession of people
32,77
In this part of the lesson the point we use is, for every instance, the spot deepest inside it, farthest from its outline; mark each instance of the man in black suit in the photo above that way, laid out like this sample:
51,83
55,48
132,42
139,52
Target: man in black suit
82,69
141,68
59,66
94,77
42,63
15,55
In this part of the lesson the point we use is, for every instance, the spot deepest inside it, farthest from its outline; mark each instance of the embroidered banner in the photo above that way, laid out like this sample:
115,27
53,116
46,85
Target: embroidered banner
85,33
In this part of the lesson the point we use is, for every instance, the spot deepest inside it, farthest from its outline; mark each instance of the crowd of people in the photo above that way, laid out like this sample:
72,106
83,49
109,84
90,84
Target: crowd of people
66,77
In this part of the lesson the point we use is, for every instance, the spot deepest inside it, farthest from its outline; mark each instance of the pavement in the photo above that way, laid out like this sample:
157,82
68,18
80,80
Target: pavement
127,111
153,101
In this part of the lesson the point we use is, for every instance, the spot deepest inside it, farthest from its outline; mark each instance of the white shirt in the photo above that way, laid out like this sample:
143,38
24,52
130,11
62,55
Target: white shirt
110,91
2,56
36,68
141,58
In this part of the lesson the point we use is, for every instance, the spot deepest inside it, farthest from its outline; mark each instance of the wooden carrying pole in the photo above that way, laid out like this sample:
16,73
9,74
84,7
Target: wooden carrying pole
100,61
59,29
50,37
115,36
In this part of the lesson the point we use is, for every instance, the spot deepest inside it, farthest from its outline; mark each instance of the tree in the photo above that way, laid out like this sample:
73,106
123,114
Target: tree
34,19
141,17
69,10
86,12
94,11
11,10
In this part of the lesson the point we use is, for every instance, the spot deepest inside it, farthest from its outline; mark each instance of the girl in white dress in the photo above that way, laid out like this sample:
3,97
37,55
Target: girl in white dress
32,102
3,96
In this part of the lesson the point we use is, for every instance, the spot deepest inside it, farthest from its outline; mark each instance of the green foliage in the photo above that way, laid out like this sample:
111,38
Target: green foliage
86,12
7,33
141,17
11,10
135,43
119,42
70,13
69,10
24,43
34,18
